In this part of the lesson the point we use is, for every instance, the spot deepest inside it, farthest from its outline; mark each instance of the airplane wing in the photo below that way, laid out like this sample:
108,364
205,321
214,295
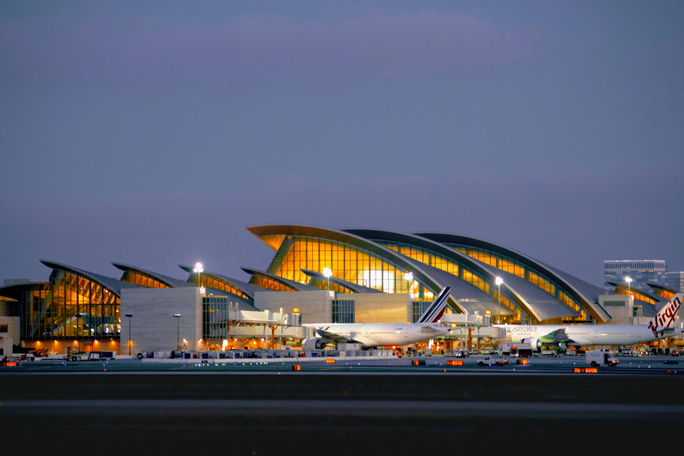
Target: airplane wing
558,336
669,332
333,336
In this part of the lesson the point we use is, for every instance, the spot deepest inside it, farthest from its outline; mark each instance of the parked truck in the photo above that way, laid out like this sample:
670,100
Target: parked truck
518,350
601,357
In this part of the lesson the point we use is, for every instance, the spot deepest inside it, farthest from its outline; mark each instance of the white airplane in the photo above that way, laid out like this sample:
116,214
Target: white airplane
383,334
660,327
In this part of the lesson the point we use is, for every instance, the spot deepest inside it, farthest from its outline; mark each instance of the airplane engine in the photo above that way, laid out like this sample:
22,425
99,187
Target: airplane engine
313,343
534,343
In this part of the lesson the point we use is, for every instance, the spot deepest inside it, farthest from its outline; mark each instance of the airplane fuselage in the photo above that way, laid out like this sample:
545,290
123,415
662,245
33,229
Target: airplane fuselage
584,334
381,334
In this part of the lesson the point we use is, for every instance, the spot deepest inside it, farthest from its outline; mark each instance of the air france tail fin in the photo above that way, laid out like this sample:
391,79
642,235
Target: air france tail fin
665,318
436,309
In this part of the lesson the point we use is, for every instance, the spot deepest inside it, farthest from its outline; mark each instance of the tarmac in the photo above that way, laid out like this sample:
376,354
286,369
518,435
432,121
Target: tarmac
267,408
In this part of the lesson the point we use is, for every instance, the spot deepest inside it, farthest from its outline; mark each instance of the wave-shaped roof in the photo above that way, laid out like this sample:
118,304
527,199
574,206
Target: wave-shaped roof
388,255
296,286
166,280
544,306
531,299
354,288
247,288
113,285
15,288
469,298
585,293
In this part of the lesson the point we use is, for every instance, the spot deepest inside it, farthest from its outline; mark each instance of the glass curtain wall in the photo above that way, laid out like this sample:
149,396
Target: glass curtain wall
266,282
456,269
418,309
536,278
77,308
142,280
33,305
346,262
209,281
343,311
323,284
635,294
216,319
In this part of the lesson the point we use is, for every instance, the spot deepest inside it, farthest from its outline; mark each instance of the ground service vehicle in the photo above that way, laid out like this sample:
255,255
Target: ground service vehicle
520,350
495,360
77,356
457,353
598,357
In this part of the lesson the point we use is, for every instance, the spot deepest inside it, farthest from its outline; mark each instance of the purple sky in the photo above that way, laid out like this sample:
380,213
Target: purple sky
153,133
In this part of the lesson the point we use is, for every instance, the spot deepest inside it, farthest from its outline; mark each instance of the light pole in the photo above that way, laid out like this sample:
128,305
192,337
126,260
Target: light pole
498,281
408,276
327,273
129,316
177,317
199,269
628,279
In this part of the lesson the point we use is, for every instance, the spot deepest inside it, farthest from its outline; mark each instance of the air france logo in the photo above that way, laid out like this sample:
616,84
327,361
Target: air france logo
666,316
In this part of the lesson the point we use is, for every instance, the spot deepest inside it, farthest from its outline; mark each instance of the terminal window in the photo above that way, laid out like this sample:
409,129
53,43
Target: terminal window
343,311
419,308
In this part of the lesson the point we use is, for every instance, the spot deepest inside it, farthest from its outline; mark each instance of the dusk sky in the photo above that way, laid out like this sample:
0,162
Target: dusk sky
153,133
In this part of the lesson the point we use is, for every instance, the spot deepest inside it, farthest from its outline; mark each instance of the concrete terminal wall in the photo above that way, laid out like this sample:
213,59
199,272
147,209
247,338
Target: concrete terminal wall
314,306
380,308
620,308
153,326
11,337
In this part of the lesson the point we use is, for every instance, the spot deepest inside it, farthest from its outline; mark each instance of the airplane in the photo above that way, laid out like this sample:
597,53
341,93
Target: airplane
660,327
383,334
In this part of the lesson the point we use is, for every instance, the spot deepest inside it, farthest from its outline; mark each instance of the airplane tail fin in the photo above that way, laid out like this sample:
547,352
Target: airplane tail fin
436,309
665,318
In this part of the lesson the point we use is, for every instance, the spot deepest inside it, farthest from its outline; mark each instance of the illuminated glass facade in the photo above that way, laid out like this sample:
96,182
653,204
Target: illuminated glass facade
664,293
33,304
429,258
332,286
270,284
76,308
495,260
215,318
142,280
216,283
77,305
512,266
348,263
299,248
636,294
460,270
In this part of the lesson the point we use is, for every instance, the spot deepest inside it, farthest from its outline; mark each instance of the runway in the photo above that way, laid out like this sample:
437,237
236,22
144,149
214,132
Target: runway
266,413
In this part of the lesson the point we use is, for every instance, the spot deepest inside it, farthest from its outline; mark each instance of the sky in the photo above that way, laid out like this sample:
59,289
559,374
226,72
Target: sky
153,133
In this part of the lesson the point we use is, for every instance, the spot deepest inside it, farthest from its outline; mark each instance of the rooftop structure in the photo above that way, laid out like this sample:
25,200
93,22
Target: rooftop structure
639,273
351,265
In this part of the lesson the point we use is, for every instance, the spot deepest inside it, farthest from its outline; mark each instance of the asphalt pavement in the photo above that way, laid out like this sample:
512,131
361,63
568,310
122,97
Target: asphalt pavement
368,410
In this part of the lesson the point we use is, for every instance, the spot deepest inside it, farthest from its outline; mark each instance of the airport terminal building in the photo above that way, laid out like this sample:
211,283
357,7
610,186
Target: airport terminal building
316,275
